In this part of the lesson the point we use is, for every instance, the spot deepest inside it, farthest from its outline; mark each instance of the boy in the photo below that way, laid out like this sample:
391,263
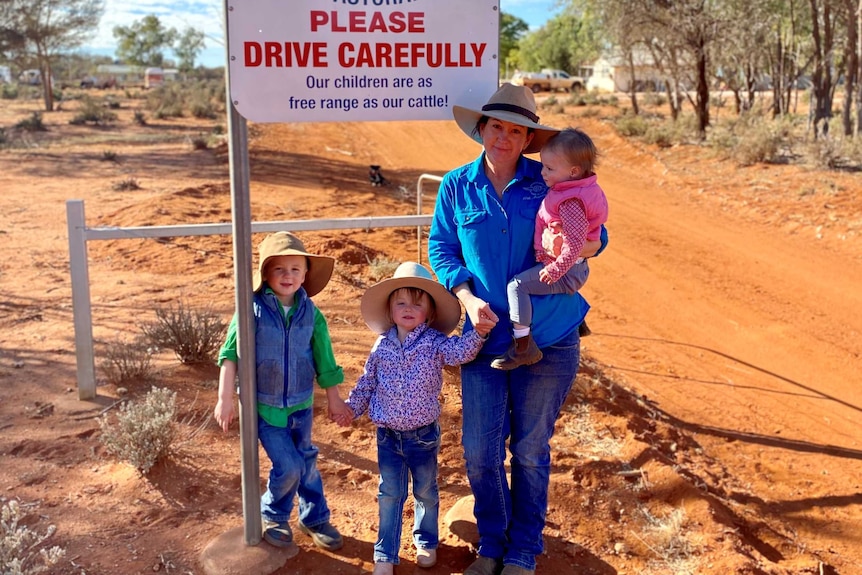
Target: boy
292,349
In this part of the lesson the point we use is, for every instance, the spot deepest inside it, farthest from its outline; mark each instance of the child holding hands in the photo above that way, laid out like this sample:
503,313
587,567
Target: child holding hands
403,377
292,349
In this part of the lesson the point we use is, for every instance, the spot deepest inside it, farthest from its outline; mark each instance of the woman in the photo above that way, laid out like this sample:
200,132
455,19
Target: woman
481,236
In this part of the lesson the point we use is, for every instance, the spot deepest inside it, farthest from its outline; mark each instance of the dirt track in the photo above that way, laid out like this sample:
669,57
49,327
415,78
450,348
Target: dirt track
729,299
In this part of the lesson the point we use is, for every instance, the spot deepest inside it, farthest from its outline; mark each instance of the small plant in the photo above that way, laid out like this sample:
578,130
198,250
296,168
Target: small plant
381,267
32,124
218,130
200,142
631,126
667,538
126,185
144,431
8,92
139,118
109,156
126,361
92,112
194,336
18,544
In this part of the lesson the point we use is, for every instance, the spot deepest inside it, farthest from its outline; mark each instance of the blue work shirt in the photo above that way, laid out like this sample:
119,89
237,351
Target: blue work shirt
480,239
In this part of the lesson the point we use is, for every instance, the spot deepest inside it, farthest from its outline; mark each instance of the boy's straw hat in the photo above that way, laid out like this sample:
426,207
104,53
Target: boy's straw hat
509,103
375,301
286,244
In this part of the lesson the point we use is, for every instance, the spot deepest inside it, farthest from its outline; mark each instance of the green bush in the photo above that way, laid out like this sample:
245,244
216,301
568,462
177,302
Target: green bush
8,92
194,336
19,553
143,432
93,112
631,126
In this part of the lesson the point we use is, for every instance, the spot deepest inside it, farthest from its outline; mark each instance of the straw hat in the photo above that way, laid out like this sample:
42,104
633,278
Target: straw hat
509,103
286,244
375,301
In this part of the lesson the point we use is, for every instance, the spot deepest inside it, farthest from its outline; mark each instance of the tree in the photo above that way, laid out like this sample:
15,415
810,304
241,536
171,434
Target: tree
143,43
189,45
566,42
512,29
48,28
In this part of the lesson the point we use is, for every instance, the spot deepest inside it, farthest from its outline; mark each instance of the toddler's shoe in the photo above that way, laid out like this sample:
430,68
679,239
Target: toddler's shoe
523,351
325,536
277,534
383,569
426,558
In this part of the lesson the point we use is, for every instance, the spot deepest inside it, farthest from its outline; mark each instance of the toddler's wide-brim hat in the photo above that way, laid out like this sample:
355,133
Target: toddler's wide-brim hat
286,244
509,103
375,301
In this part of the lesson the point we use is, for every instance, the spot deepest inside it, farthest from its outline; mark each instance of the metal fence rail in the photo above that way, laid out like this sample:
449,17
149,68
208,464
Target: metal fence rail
80,234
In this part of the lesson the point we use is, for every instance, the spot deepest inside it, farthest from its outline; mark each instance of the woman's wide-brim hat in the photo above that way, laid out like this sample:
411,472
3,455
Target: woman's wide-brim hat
375,301
286,244
509,103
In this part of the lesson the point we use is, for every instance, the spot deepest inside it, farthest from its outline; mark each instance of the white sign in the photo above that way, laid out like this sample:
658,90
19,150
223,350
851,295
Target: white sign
361,60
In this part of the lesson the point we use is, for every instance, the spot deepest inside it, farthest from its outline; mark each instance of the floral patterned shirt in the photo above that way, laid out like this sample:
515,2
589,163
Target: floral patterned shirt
402,381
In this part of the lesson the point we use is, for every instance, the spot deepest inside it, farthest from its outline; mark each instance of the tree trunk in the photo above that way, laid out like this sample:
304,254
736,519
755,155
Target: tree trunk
702,95
851,74
821,89
633,84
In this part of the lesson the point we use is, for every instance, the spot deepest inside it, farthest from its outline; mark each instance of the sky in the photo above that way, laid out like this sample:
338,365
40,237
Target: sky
206,16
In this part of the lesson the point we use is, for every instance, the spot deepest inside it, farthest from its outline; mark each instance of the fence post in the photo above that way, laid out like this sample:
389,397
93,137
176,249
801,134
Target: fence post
84,356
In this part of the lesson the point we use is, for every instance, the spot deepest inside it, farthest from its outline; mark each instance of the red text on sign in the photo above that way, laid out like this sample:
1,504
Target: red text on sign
285,55
393,22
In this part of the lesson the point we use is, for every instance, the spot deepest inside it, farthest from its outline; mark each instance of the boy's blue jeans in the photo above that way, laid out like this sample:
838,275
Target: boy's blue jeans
401,454
294,471
522,406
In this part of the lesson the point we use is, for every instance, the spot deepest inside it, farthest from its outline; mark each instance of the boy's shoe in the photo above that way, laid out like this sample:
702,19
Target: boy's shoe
426,558
325,536
484,566
277,534
515,570
523,351
383,569
584,330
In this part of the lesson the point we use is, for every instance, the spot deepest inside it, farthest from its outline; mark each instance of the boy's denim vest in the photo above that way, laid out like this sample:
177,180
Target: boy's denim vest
285,365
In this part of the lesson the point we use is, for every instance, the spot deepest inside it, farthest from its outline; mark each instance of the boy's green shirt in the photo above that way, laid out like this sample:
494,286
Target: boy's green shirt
328,372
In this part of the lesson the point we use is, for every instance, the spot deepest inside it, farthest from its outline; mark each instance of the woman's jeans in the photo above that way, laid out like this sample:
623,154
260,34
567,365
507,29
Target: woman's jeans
399,454
294,471
522,406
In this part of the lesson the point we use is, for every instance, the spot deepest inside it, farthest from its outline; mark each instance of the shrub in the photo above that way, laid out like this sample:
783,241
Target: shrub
129,183
109,156
126,362
382,267
631,126
199,142
194,336
92,111
32,124
139,118
8,92
18,544
144,431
